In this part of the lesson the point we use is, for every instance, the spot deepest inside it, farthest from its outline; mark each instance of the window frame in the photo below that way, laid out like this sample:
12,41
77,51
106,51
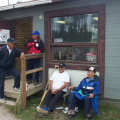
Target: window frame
73,46
100,9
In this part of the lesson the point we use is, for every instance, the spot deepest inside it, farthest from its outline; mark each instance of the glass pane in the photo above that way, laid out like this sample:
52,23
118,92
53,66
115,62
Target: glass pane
62,53
85,54
78,28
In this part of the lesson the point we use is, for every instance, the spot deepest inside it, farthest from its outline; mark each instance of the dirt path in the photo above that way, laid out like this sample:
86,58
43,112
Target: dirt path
5,114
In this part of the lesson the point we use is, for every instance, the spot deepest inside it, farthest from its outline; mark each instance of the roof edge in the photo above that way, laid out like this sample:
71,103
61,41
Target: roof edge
26,4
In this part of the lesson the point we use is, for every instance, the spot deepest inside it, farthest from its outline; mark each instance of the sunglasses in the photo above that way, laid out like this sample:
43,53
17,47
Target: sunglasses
61,67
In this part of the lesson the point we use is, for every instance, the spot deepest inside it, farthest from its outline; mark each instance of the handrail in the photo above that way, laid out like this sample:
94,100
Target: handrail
28,56
24,73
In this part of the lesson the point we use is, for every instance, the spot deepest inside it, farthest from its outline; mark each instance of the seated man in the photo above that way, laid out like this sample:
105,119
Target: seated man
86,92
58,87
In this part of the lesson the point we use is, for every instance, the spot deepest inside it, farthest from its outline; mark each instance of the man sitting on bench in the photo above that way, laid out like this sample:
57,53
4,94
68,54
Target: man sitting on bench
58,87
86,93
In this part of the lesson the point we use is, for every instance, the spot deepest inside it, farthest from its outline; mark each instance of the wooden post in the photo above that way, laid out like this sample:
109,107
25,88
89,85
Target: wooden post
23,78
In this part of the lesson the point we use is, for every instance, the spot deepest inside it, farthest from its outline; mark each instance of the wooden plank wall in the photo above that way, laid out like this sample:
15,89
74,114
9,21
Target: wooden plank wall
112,50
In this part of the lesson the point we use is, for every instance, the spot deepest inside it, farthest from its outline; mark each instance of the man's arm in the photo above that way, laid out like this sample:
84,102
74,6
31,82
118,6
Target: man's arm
96,89
22,56
28,44
19,53
1,53
61,88
70,88
41,45
76,88
51,82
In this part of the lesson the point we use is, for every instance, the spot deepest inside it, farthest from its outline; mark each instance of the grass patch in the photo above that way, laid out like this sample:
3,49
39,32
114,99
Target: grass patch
106,111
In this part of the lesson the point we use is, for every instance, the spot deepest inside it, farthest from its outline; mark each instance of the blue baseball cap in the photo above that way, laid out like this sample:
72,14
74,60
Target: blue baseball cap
11,40
35,33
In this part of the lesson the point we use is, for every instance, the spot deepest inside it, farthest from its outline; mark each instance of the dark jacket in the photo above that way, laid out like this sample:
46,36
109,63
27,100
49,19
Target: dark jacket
7,60
38,46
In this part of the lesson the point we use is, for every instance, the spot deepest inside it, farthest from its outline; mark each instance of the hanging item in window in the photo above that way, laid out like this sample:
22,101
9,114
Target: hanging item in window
57,40
91,57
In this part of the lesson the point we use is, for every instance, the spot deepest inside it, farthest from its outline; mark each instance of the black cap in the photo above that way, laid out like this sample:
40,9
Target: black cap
61,64
11,40
92,69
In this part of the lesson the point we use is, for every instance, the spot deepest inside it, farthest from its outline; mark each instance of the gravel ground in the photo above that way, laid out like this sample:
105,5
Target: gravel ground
5,114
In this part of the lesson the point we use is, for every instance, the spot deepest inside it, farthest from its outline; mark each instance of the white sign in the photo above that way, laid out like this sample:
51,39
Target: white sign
56,40
4,35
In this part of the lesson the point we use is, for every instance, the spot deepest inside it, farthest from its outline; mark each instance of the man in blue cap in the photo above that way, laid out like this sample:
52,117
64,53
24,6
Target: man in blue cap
8,53
34,45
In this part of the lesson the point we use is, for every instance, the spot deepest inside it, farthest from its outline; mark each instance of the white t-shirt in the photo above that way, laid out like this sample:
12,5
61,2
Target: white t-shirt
59,79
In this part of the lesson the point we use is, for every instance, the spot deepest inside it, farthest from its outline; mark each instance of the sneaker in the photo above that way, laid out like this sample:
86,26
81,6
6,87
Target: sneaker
70,117
17,89
42,110
3,100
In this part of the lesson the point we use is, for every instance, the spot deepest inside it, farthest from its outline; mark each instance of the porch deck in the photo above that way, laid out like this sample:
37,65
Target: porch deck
9,92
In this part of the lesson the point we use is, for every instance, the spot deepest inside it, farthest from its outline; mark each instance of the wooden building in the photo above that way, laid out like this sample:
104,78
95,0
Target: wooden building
82,33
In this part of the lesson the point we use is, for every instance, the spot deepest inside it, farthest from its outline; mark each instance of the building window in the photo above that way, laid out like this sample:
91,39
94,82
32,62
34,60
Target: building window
85,54
78,28
75,38
62,53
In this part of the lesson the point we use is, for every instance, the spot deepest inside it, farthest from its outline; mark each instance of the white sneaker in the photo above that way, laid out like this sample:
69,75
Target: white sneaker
17,89
3,100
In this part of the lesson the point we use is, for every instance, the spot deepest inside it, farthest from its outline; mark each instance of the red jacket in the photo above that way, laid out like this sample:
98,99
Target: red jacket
38,46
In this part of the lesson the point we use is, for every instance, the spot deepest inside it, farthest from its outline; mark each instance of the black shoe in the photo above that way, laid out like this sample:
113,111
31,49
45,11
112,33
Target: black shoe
70,117
42,114
88,118
30,81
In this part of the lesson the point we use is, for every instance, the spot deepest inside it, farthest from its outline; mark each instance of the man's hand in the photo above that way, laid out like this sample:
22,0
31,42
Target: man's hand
70,87
22,56
91,95
54,91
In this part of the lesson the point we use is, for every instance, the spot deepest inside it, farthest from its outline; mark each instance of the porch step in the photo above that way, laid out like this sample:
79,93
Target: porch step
8,102
12,93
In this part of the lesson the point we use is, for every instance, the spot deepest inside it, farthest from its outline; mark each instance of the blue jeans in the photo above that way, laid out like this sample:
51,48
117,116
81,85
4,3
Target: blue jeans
12,71
31,64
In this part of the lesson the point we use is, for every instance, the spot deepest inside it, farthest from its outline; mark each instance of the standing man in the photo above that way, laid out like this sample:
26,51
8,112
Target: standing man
8,53
34,45
86,93
58,87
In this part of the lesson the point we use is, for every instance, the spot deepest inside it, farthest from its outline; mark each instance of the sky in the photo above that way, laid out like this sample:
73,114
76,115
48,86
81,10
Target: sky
5,2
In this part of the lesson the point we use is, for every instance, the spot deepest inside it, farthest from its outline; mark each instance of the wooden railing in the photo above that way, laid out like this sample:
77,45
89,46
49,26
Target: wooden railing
24,73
